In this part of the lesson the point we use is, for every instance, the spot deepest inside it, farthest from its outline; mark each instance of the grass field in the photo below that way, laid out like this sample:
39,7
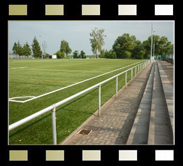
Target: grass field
36,77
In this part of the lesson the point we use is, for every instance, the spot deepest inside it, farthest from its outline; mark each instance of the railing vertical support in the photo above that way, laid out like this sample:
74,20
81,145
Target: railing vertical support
135,70
116,86
99,100
54,125
125,79
131,74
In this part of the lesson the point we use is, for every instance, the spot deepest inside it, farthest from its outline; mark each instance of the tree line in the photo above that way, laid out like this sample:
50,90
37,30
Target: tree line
26,48
125,46
65,50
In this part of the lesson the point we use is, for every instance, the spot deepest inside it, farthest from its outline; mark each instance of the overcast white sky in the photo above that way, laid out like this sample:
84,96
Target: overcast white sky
76,33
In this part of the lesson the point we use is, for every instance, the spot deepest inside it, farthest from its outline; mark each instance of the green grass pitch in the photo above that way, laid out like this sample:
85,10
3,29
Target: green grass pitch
34,77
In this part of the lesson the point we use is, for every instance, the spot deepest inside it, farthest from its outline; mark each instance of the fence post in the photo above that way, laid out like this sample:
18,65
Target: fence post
125,78
135,70
54,125
116,86
131,74
99,100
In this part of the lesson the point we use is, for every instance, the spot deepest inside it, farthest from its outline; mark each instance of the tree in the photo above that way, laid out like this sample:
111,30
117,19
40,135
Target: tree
17,49
124,45
164,45
46,55
44,46
170,48
60,54
110,54
82,54
97,40
102,53
64,47
14,49
161,45
26,49
138,51
75,54
36,48
147,46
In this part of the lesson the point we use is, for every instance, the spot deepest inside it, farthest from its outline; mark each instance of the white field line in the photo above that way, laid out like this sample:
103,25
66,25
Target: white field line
19,97
16,101
18,67
10,99
13,99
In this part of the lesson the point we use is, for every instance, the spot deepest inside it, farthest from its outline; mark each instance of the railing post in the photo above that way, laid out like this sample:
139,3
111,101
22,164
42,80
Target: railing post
54,125
131,74
135,70
116,86
125,78
99,100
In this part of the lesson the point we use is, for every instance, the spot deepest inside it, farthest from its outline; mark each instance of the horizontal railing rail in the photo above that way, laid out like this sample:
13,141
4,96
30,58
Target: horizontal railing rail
52,108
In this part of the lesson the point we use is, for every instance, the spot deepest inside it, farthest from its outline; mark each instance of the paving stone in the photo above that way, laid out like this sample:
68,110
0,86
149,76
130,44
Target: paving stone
114,125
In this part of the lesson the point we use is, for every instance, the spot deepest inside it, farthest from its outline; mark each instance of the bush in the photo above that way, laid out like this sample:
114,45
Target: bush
75,54
47,55
127,54
110,54
60,54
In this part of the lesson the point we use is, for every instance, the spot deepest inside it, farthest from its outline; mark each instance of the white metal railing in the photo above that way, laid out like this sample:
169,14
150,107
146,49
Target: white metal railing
52,108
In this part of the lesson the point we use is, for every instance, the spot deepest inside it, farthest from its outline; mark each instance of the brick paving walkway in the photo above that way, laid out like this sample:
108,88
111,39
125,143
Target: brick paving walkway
115,123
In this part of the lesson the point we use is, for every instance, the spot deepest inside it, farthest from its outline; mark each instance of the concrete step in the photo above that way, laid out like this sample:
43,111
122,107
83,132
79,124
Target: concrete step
140,128
168,92
160,130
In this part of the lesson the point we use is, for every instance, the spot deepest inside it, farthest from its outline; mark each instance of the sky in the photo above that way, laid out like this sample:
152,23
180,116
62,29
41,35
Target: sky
77,33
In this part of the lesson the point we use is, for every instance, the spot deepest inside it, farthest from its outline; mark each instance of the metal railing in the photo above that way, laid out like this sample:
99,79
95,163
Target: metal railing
52,108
